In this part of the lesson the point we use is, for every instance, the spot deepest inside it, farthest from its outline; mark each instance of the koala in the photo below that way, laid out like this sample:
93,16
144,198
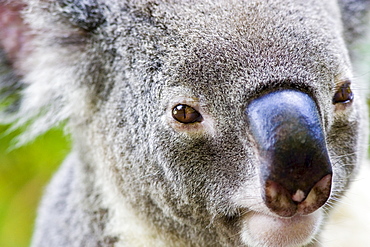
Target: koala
194,123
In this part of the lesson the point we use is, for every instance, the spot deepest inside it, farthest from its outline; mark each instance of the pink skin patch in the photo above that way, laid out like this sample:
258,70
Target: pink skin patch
299,196
14,33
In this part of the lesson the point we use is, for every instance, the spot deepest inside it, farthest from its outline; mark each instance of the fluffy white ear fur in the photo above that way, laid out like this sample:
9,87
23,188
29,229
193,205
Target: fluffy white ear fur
349,224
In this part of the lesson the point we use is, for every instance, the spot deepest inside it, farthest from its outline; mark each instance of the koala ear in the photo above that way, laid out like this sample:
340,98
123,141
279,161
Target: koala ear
22,98
14,33
354,16
40,43
15,44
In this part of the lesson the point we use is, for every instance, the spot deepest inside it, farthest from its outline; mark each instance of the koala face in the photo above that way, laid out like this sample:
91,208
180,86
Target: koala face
238,122
226,123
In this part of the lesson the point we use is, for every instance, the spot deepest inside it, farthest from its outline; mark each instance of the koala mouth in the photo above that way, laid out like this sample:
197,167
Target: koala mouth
259,229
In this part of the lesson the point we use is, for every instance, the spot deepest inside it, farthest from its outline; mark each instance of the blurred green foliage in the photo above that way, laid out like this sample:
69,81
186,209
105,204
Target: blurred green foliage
24,172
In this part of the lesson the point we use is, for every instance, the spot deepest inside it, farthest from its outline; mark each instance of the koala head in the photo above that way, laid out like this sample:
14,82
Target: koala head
223,123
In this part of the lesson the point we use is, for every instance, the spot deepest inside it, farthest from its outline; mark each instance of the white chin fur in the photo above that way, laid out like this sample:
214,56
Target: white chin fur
265,230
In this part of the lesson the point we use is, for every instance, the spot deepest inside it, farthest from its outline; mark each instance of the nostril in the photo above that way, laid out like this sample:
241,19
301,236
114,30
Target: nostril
317,197
280,201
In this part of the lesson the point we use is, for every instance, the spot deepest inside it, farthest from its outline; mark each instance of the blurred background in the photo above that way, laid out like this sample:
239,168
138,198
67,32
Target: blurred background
24,173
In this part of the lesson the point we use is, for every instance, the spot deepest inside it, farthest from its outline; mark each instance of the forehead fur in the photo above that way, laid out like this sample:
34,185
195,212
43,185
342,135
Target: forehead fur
229,46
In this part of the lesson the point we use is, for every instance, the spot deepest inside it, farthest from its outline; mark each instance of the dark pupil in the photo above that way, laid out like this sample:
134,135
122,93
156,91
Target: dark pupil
186,114
344,94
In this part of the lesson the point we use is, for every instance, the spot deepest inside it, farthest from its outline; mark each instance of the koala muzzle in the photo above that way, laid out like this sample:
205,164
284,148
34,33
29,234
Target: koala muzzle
295,169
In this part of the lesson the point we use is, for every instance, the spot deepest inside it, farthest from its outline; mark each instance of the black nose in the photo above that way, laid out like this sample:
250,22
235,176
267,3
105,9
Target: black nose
295,169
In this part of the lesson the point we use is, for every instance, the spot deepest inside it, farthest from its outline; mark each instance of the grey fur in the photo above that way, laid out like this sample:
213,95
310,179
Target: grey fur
113,70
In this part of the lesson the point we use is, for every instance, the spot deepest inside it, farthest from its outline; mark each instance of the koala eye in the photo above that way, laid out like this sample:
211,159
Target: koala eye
344,94
186,114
